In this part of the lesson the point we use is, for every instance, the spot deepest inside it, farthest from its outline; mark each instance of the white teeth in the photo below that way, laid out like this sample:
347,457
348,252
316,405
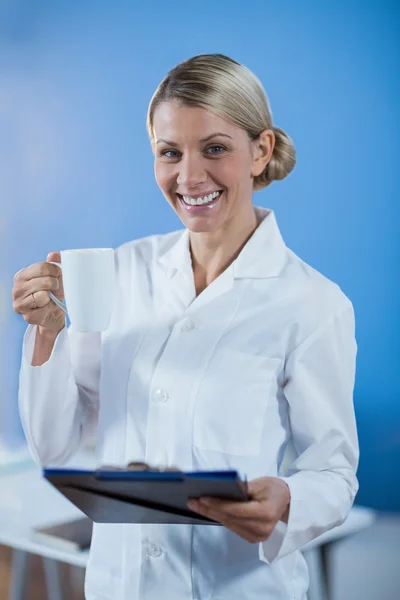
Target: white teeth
199,201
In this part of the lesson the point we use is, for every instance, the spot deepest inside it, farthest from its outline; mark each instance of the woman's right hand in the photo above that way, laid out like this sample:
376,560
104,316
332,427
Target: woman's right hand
31,298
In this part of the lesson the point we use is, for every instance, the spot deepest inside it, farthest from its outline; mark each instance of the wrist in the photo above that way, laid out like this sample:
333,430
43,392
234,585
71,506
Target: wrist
285,515
48,335
44,344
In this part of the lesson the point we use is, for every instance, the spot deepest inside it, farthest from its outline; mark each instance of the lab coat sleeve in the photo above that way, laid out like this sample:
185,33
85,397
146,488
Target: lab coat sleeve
319,382
58,401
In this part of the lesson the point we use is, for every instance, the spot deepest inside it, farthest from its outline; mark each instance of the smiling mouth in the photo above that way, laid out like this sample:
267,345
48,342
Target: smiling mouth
208,201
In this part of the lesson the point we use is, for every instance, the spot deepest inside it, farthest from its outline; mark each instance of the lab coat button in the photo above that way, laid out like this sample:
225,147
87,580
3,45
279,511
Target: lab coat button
154,550
160,395
187,325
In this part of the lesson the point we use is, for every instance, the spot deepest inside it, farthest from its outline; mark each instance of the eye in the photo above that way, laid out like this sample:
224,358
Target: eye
170,153
216,149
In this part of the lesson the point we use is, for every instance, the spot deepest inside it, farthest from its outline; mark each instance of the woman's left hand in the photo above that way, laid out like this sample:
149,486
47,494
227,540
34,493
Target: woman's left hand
254,520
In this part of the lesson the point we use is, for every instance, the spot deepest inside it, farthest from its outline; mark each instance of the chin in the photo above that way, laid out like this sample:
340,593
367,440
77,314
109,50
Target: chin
197,224
199,228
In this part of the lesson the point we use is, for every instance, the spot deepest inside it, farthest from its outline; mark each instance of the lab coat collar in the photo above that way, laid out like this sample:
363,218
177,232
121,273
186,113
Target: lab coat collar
177,257
263,256
265,253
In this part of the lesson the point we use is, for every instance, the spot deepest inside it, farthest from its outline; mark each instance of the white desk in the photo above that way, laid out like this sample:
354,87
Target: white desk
28,501
316,552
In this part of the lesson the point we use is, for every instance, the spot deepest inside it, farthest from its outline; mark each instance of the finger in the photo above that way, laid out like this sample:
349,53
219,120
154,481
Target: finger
234,509
54,257
32,302
250,532
206,511
41,269
213,511
38,284
35,285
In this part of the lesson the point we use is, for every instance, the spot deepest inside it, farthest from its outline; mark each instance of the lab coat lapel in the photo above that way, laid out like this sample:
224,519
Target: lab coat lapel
218,287
264,256
178,289
177,263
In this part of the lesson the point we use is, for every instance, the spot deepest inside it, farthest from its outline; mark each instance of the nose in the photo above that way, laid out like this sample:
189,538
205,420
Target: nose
191,172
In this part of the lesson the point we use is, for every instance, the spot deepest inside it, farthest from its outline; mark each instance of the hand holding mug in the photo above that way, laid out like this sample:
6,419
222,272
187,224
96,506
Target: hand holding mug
84,276
31,294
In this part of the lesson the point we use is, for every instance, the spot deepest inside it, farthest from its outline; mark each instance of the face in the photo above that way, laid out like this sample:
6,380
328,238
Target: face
205,165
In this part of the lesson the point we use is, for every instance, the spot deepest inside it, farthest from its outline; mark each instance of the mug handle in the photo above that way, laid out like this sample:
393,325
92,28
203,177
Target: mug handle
52,296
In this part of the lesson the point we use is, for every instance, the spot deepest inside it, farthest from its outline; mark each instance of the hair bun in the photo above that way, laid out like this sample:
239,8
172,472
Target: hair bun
282,161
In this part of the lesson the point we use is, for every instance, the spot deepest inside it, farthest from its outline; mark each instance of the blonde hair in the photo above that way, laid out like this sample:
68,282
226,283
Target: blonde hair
227,88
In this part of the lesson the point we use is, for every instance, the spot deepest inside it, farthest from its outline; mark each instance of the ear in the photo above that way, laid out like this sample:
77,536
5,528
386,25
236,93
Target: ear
263,148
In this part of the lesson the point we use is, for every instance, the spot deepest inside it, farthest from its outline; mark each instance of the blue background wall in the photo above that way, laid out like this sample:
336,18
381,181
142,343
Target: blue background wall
76,165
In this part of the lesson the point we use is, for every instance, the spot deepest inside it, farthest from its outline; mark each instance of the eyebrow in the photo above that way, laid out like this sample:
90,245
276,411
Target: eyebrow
206,139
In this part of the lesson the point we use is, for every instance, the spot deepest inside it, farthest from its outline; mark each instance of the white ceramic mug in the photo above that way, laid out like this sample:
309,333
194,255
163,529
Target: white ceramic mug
88,278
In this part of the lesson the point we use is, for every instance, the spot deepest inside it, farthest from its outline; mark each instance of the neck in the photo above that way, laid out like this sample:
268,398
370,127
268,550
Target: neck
213,252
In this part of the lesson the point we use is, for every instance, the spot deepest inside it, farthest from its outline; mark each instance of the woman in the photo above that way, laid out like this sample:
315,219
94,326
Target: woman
225,350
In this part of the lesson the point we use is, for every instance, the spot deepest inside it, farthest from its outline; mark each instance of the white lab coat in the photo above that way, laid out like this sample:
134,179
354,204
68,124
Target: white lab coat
263,360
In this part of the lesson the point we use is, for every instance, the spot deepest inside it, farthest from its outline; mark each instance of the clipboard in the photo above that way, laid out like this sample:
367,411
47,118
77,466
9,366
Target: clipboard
109,495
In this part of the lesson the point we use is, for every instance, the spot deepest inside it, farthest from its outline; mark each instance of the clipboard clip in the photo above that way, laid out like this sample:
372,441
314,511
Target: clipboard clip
142,466
138,466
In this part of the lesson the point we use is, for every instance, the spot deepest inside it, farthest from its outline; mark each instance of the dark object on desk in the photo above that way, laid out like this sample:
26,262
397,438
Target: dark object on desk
144,495
73,535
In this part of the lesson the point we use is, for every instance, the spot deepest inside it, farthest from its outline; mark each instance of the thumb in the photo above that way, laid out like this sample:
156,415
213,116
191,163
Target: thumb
53,257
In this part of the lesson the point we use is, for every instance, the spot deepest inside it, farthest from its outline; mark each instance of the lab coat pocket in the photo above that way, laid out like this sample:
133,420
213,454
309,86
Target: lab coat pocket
232,399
